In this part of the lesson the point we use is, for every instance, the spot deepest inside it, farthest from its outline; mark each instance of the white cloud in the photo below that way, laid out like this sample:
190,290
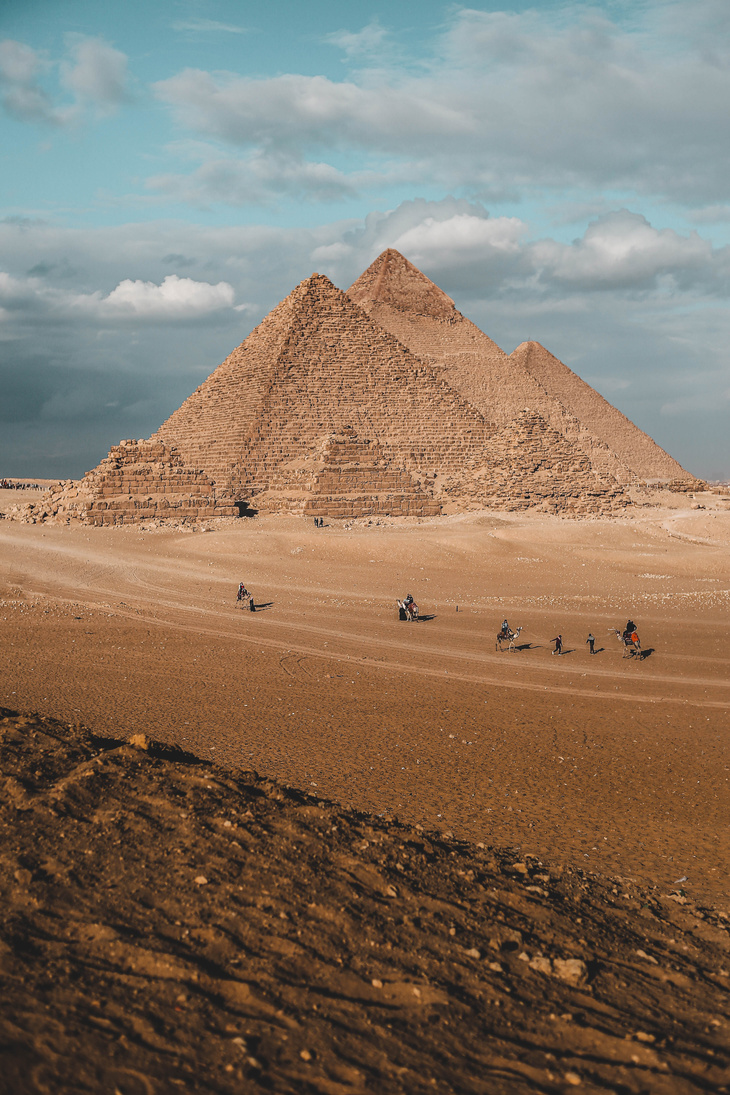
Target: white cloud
93,72
175,299
367,42
96,73
20,93
461,236
533,100
256,180
207,26
622,250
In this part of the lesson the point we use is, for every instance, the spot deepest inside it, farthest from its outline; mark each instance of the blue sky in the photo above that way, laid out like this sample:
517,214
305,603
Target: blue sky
168,173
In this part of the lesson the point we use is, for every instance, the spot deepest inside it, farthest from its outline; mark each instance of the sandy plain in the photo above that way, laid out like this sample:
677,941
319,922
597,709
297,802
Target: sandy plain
620,766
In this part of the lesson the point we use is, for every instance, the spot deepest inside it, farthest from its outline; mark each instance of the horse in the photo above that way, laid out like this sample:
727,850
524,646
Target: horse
410,610
631,643
507,636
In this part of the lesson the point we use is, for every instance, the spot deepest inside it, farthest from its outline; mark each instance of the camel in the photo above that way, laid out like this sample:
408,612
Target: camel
509,636
632,645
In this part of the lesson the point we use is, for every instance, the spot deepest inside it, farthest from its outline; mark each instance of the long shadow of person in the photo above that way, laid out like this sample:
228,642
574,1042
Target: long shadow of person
424,618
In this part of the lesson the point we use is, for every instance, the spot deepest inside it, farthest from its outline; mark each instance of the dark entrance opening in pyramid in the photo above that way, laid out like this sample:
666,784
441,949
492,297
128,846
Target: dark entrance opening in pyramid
384,400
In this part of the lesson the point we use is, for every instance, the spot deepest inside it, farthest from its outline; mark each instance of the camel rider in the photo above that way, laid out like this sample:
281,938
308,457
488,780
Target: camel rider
408,600
505,629
629,629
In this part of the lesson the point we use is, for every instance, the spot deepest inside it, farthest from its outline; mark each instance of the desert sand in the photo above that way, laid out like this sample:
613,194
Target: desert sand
619,764
611,772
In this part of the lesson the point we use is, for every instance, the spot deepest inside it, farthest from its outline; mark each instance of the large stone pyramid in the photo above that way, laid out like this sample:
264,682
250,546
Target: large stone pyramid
316,365
424,318
384,400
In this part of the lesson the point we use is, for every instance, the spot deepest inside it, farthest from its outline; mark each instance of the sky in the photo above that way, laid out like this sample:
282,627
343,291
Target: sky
168,173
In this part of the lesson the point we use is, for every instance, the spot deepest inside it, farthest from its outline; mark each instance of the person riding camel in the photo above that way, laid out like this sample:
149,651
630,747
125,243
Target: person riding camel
505,629
242,592
629,629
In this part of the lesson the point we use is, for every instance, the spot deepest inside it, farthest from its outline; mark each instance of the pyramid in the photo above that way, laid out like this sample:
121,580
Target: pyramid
604,422
381,401
405,302
347,476
138,481
316,365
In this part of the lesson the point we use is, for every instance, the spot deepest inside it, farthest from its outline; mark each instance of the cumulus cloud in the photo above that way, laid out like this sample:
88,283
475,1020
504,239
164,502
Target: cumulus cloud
534,99
367,42
93,72
257,179
20,92
175,299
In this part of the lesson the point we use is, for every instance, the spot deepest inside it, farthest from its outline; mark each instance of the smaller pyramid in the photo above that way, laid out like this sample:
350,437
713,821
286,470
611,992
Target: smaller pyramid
532,465
346,476
605,423
141,481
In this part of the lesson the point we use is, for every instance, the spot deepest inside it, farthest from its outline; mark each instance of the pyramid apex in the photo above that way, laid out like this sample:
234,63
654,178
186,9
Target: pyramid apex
391,279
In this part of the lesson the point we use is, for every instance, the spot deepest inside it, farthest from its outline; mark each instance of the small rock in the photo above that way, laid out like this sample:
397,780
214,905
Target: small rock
140,741
541,964
201,880
473,953
376,983
306,1055
642,1036
23,876
495,967
646,957
572,970
573,1078
519,868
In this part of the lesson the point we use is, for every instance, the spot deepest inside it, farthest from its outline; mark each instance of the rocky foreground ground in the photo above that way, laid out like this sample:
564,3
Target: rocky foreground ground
169,925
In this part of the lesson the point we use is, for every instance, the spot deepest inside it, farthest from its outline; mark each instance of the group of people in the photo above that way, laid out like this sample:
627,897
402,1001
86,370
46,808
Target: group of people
12,484
629,635
319,522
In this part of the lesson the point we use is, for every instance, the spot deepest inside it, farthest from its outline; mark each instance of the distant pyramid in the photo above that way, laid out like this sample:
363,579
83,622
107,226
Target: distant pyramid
406,303
607,425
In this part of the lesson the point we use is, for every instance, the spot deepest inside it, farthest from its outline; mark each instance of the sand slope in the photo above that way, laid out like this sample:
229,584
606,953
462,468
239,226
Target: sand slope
173,926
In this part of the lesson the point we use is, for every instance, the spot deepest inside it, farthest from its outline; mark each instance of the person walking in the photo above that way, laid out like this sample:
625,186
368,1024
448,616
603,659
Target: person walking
558,640
591,640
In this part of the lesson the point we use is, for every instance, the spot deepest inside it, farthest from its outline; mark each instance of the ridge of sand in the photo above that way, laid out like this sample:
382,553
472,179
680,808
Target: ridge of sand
172,925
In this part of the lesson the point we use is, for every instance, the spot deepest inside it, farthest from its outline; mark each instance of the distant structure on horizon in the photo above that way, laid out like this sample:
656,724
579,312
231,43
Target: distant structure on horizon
384,400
